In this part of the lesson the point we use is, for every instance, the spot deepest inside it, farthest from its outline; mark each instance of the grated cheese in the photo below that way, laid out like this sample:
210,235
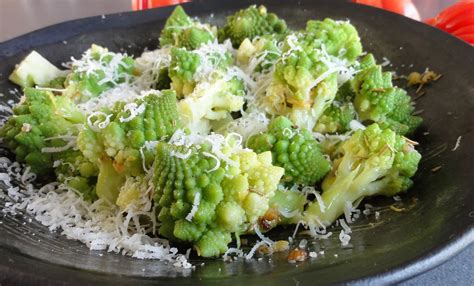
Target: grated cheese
194,209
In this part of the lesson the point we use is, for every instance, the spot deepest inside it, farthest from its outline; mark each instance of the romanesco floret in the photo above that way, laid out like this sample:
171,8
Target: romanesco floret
211,101
182,31
184,65
119,147
305,79
374,161
293,149
204,197
297,89
188,68
259,55
76,172
377,100
42,125
249,23
337,38
97,71
337,117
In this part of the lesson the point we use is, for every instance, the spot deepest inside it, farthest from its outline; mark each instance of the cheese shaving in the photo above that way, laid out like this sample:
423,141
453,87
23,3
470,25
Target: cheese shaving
194,209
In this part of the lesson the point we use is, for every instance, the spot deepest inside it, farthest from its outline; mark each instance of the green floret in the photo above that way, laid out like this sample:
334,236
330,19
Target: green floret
202,199
188,68
340,38
374,161
260,54
182,31
75,171
211,102
288,203
118,149
377,100
97,71
305,80
250,23
34,130
294,90
337,117
182,69
294,150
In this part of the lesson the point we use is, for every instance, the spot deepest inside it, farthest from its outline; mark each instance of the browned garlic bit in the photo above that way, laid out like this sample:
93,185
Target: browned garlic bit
297,255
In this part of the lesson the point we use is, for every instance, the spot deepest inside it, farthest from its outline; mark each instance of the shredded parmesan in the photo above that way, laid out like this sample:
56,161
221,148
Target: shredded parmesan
458,143
252,251
194,209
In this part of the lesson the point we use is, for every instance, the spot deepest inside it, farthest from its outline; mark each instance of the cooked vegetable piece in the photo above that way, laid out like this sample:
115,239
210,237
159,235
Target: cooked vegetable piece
33,70
377,100
251,22
294,150
98,70
118,149
374,161
204,198
182,31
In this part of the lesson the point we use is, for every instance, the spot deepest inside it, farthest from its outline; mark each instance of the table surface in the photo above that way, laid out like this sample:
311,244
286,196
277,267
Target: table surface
21,16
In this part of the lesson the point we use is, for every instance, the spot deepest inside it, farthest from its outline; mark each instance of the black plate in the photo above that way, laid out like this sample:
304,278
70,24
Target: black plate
391,249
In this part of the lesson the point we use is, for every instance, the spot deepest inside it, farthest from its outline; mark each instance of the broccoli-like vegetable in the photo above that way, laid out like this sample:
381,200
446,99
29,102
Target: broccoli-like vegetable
210,102
183,67
340,38
182,31
118,148
153,67
259,55
305,80
374,161
377,100
287,204
337,117
294,150
97,71
75,171
188,68
41,126
249,23
296,89
203,198
35,70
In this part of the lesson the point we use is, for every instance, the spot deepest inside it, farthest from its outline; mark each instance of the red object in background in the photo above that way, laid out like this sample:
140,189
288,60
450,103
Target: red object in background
147,4
457,20
403,7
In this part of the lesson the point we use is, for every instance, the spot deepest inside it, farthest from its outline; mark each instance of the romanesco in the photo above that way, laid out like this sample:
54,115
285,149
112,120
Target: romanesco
182,31
305,79
188,68
211,101
119,147
203,198
42,126
374,161
377,100
259,55
97,71
295,150
337,117
249,23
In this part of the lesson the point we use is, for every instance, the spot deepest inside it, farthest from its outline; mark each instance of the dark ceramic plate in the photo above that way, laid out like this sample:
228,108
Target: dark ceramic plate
438,219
